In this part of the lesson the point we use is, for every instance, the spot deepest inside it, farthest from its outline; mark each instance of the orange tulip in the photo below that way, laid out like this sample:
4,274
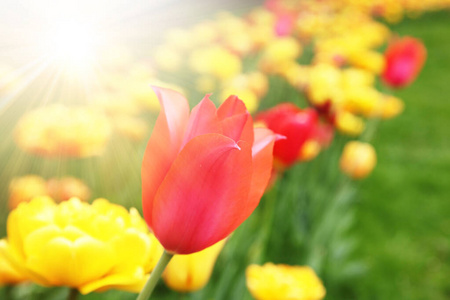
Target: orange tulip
203,174
404,60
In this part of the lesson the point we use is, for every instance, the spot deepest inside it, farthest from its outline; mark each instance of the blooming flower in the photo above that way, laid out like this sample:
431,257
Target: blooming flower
191,272
358,159
89,247
300,127
204,173
404,60
284,282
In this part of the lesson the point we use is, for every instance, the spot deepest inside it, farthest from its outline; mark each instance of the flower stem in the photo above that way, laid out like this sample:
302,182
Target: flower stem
73,294
154,276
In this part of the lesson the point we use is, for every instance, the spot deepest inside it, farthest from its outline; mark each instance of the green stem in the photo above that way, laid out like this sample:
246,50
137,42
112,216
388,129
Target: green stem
73,294
154,276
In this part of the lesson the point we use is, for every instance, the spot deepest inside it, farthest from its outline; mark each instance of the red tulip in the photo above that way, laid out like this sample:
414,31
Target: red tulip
404,60
298,126
203,174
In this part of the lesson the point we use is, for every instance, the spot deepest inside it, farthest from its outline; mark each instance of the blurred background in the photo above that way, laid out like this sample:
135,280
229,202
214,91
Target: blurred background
401,223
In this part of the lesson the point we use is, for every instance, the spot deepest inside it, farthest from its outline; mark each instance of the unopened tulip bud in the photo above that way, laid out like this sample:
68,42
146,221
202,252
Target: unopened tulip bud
284,282
358,159
191,272
404,60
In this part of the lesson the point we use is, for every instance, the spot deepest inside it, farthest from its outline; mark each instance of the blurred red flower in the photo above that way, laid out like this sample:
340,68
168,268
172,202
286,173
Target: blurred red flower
203,174
404,60
299,126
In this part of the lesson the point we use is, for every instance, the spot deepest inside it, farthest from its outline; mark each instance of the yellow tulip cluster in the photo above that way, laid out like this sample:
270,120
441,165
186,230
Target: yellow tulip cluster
88,247
215,50
340,77
348,94
64,131
284,282
91,247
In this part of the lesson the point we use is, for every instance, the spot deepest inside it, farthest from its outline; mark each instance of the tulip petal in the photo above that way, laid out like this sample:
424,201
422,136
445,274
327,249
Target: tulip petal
204,195
133,282
63,262
132,248
262,161
164,144
16,261
203,120
237,123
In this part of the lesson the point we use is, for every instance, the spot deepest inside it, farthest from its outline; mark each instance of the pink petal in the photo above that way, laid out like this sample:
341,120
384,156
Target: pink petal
236,121
204,195
262,164
203,120
163,146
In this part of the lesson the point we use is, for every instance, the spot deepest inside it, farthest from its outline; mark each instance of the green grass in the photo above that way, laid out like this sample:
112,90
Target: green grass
403,210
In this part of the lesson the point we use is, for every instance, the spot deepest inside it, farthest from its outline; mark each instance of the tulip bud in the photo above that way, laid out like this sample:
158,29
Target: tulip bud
283,282
191,272
358,159
404,60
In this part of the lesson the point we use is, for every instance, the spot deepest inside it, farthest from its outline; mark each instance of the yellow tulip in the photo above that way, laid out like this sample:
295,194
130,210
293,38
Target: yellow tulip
358,159
25,188
216,61
368,60
309,151
325,84
280,54
259,83
349,124
390,106
188,273
89,247
284,282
